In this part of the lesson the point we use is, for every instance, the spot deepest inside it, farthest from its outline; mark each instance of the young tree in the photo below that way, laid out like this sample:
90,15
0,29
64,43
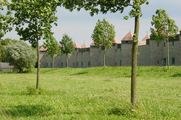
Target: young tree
53,49
33,20
20,55
67,45
104,6
165,28
103,35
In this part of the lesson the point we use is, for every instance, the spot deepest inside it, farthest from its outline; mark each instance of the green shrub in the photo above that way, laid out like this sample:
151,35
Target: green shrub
34,91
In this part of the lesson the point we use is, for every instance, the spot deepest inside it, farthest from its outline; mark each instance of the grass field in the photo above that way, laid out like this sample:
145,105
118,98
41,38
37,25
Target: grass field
92,94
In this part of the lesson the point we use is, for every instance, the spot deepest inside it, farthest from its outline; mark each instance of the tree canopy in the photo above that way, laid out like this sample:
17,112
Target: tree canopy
20,55
103,35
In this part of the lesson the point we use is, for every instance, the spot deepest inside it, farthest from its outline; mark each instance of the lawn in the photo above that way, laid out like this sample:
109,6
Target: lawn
92,94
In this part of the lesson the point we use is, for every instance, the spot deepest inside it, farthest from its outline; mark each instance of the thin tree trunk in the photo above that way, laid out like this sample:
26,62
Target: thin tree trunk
104,56
134,62
67,60
53,64
38,69
168,54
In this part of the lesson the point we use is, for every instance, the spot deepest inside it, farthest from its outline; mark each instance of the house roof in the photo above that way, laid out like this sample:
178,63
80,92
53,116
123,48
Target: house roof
116,40
59,44
42,49
146,37
84,46
128,37
76,45
92,44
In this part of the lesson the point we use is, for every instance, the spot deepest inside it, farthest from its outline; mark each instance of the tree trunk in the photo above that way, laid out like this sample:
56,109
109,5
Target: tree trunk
38,69
134,61
104,56
67,60
20,70
168,63
53,64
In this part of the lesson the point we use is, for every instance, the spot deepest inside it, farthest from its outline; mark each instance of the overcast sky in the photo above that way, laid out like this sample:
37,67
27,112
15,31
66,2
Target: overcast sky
80,25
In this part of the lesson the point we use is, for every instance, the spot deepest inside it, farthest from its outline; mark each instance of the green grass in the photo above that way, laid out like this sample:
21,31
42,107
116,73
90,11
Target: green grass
91,94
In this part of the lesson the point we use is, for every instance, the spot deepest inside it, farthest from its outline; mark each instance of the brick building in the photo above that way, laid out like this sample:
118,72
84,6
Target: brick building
150,53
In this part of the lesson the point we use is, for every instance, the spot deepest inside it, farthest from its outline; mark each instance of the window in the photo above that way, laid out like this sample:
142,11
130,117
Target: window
46,64
115,50
66,64
61,64
77,64
58,64
81,64
164,61
172,43
120,63
126,42
115,63
50,64
120,49
61,54
99,63
88,52
81,53
99,51
77,53
94,46
164,44
89,64
158,62
173,61
157,44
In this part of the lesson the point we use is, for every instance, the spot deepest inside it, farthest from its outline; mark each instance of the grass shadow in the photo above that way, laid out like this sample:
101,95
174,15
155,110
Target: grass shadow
80,73
27,110
176,75
118,112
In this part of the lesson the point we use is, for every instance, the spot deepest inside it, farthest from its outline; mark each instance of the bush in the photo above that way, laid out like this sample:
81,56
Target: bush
34,91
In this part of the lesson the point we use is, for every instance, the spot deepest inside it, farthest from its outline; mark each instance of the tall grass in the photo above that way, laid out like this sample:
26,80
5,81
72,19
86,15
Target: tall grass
92,93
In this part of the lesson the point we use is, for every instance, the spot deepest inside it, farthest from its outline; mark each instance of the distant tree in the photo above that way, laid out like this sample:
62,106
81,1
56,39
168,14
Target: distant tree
53,49
20,55
164,28
103,35
4,42
33,20
67,45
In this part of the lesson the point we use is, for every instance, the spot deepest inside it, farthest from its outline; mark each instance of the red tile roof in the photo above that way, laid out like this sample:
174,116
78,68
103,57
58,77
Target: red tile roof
92,44
84,46
128,37
146,37
42,49
116,40
59,44
76,45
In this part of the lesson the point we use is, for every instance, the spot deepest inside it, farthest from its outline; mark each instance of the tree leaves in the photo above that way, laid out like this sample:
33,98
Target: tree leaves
103,34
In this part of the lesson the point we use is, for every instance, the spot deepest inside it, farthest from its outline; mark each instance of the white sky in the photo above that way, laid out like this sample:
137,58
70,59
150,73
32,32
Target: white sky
80,25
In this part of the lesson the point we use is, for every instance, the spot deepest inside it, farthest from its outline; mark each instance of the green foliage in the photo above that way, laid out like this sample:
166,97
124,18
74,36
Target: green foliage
164,27
103,34
4,42
5,20
53,49
33,18
33,91
67,44
20,55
